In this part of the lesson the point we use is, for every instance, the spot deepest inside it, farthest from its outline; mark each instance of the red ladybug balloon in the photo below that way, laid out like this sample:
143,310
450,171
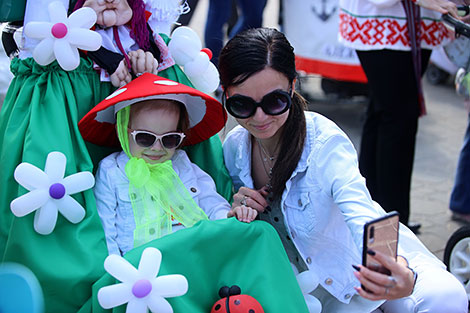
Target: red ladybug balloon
232,301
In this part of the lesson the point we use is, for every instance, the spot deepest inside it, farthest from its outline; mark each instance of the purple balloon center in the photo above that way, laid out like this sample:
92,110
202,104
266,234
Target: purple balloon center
57,191
59,30
141,288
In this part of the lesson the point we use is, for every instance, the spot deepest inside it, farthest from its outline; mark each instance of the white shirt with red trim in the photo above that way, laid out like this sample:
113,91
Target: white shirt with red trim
381,24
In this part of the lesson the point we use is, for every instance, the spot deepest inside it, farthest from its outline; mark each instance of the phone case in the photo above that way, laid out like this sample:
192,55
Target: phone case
381,235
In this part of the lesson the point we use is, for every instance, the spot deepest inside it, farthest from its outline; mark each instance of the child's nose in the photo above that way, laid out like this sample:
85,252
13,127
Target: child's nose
157,145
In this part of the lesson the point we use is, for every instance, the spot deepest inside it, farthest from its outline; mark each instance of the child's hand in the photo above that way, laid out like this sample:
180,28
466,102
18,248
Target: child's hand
121,76
142,62
243,213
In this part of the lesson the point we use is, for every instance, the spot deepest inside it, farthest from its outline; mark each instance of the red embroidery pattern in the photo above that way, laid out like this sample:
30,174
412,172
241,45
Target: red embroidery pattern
387,31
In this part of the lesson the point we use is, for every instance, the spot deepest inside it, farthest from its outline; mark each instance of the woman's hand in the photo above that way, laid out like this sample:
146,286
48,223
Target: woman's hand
442,6
252,198
398,284
243,213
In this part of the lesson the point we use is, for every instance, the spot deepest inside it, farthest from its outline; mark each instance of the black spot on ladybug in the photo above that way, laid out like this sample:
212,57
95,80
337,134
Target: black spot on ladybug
251,311
236,302
218,306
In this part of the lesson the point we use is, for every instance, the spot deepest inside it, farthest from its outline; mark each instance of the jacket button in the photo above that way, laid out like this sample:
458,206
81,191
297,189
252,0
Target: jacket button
300,202
309,260
328,281
347,296
193,189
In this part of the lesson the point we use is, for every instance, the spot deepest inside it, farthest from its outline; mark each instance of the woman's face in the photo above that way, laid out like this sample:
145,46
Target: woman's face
262,125
159,121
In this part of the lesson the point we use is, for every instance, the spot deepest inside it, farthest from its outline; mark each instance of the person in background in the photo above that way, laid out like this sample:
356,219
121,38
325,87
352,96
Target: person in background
393,40
300,172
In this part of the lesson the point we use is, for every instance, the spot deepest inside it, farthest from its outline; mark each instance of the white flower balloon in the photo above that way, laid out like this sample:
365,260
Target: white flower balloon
140,288
49,192
62,36
185,48
308,282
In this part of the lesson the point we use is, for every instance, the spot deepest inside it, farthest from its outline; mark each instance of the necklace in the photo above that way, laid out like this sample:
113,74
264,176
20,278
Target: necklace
268,168
267,156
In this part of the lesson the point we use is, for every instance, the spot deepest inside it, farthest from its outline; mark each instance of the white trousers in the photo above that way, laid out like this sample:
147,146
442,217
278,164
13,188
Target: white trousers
436,291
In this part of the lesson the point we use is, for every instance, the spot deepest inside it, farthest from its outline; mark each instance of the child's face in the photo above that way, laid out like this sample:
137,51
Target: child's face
159,121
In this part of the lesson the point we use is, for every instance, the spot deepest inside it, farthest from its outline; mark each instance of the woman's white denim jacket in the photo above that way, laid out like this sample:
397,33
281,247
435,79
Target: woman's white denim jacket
114,205
325,204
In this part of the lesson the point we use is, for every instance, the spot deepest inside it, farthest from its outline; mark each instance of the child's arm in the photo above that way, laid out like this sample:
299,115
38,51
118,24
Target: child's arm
243,213
106,203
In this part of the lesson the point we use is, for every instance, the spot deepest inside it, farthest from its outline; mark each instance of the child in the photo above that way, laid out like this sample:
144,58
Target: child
151,188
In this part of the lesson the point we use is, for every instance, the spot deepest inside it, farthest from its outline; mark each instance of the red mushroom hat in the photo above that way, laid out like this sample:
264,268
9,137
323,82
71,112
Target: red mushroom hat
207,116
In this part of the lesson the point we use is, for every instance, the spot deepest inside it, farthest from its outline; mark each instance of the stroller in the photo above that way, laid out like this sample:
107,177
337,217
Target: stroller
457,250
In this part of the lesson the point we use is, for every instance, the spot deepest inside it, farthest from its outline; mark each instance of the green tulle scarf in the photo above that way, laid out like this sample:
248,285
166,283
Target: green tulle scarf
156,192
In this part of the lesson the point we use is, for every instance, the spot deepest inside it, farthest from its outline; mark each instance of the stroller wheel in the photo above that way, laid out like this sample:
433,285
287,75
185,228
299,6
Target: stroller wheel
457,256
435,75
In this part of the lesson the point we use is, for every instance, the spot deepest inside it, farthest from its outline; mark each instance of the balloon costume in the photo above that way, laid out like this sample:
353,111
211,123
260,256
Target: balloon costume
47,97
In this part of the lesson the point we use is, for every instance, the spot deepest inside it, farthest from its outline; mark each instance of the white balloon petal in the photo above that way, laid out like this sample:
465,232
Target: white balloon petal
29,202
67,56
185,48
120,268
308,281
149,264
50,193
159,305
78,182
82,18
84,39
31,177
43,54
313,304
137,306
208,81
170,285
114,295
71,209
45,218
55,166
38,29
55,36
57,12
142,294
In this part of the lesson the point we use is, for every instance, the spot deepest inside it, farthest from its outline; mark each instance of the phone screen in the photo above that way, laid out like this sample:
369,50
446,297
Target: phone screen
381,235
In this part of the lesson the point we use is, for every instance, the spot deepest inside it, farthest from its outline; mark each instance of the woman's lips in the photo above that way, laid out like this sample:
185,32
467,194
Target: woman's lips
261,127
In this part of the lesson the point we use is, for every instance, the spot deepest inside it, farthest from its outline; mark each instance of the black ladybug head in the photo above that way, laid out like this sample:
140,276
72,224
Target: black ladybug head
225,291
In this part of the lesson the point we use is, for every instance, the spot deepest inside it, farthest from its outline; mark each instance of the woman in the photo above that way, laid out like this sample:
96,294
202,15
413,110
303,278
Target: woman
387,33
299,170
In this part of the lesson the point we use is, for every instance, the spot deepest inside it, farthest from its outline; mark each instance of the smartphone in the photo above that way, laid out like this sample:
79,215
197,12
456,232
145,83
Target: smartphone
381,234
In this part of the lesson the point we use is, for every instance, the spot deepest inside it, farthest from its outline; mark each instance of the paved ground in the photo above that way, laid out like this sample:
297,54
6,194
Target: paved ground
439,139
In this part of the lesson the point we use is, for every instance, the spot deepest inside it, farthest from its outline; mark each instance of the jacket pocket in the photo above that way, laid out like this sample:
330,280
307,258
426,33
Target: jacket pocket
124,208
299,211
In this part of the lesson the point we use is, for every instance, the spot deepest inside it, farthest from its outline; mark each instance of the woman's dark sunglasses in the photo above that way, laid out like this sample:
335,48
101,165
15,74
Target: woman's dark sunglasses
147,139
273,103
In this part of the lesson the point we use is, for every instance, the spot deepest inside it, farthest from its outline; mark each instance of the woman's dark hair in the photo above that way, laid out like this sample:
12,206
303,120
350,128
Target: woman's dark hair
250,52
